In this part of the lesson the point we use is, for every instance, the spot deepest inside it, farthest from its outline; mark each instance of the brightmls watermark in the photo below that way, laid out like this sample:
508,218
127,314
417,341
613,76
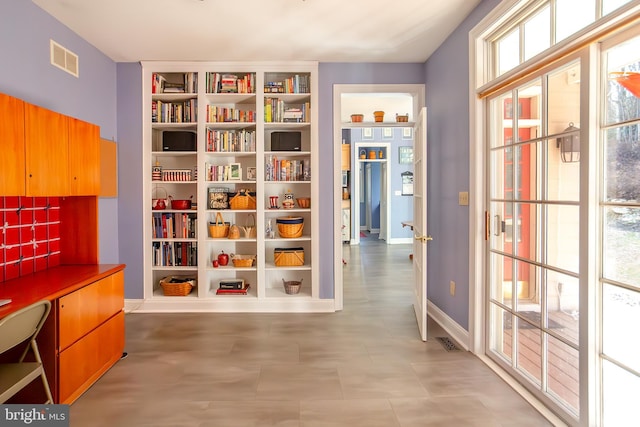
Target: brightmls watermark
34,415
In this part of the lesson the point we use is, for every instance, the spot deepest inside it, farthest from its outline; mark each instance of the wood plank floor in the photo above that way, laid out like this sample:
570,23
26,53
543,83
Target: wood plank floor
363,366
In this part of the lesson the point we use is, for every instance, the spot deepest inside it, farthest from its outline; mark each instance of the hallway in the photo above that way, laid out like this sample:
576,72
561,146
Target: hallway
364,366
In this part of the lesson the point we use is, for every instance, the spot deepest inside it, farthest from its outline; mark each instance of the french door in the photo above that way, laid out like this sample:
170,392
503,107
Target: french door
534,224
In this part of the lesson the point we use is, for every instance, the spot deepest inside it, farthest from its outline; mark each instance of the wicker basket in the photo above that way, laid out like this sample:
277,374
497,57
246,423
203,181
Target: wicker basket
243,199
177,286
290,227
243,260
304,202
292,287
402,118
288,257
219,229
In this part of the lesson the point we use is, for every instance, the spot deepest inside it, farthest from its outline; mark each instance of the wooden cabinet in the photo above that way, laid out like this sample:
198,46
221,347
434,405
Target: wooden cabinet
47,153
12,146
51,154
84,158
346,157
90,334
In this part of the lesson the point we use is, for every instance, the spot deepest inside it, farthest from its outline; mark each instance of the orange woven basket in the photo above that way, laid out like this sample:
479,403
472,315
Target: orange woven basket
176,287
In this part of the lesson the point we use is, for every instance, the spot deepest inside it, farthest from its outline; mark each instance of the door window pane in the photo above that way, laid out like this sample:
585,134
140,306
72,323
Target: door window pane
572,16
502,279
501,332
563,237
563,304
529,351
563,380
623,82
622,164
620,317
621,245
620,404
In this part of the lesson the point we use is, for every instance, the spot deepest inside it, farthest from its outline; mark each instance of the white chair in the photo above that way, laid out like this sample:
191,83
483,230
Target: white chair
16,328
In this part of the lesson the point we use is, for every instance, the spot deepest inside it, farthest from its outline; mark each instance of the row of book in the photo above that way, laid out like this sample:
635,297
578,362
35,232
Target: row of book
175,225
276,111
233,287
223,172
230,83
294,84
287,170
174,83
178,254
231,141
217,114
174,112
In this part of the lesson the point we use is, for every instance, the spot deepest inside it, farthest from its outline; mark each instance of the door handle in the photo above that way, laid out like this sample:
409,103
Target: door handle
423,238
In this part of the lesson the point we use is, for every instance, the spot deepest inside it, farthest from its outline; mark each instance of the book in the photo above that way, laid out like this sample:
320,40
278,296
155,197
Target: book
233,291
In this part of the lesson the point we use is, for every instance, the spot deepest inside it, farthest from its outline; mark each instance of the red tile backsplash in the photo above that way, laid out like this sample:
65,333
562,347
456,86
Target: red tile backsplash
29,235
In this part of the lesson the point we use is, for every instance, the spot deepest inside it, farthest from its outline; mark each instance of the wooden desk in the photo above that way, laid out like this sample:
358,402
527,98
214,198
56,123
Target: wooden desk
84,333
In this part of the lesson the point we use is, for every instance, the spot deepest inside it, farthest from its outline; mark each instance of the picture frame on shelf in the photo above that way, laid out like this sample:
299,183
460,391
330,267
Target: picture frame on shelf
251,173
387,133
367,134
407,133
405,154
235,172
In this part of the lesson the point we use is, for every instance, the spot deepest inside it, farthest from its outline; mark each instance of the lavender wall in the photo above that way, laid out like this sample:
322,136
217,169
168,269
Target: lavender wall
345,73
130,176
447,98
25,31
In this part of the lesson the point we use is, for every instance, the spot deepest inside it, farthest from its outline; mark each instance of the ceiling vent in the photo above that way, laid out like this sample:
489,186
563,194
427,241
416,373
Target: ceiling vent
64,59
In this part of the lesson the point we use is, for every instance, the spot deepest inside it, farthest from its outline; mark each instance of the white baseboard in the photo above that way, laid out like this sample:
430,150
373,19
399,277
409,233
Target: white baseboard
457,332
231,305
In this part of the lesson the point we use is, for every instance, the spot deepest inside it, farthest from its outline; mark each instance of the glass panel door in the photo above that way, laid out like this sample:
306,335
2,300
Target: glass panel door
620,242
535,234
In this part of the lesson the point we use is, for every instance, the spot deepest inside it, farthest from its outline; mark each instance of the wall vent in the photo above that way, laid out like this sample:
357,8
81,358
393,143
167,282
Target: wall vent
64,59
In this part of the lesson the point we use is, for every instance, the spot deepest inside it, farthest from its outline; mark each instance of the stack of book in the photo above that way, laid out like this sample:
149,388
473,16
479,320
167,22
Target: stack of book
233,287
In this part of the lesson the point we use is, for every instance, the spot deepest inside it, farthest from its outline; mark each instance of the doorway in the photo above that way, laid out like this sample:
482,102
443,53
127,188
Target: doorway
379,96
370,201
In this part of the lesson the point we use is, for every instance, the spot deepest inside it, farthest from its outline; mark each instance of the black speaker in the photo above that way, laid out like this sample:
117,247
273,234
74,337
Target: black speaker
285,141
181,140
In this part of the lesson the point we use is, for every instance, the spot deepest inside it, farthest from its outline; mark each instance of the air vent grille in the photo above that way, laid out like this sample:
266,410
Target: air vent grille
64,59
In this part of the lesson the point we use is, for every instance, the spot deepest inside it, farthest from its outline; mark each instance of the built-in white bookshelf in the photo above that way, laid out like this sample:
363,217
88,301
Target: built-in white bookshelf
255,133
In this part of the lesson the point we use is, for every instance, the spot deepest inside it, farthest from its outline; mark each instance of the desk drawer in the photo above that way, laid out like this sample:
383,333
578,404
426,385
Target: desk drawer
84,362
85,309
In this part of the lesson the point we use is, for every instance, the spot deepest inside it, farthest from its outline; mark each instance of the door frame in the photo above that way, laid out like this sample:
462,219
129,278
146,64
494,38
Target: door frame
417,92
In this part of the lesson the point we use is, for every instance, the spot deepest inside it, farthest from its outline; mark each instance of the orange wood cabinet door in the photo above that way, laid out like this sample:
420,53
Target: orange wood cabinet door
83,310
12,146
88,359
47,153
84,158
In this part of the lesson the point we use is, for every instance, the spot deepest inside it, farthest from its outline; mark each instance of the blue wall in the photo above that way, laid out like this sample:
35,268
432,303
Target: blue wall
447,98
26,73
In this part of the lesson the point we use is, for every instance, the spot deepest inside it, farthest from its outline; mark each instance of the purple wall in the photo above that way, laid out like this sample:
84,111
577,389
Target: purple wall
447,98
345,73
26,73
130,176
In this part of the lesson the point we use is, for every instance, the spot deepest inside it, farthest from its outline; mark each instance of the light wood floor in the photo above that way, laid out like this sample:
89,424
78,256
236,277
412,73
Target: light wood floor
363,366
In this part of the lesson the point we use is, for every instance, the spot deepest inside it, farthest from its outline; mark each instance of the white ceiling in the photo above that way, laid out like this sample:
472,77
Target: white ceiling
261,30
